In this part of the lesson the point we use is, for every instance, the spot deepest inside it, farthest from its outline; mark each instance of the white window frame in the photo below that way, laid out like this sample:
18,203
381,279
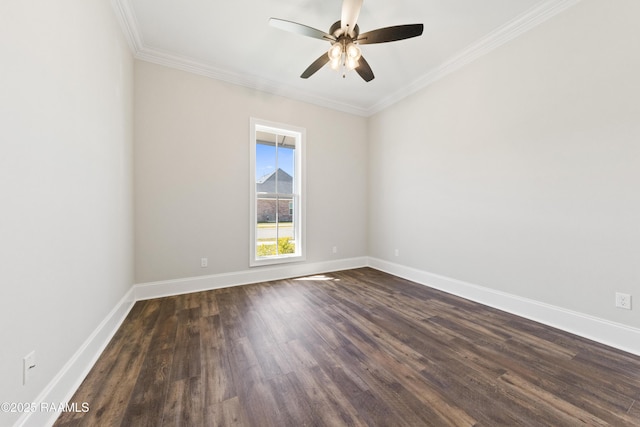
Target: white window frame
299,210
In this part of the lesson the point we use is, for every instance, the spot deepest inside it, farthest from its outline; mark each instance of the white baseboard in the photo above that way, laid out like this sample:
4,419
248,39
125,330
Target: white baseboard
67,381
143,291
613,334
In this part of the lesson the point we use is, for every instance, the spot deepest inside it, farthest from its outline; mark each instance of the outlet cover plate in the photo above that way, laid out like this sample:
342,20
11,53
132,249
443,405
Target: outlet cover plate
623,301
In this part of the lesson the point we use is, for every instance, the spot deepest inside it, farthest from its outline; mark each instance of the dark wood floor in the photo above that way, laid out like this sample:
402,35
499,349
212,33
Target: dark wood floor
357,347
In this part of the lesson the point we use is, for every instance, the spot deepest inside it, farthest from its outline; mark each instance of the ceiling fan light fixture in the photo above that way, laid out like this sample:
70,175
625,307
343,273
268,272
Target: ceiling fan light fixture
351,63
353,51
335,51
344,54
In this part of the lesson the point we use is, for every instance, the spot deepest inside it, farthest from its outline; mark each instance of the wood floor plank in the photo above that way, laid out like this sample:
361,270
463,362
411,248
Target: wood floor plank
118,372
186,361
219,385
389,377
150,391
184,406
329,405
228,413
634,410
292,401
351,348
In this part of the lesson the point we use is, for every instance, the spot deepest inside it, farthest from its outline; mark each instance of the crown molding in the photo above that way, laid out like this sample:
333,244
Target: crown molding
535,16
507,32
129,24
246,80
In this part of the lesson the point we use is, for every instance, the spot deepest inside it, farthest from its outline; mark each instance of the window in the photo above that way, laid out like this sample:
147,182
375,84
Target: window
277,191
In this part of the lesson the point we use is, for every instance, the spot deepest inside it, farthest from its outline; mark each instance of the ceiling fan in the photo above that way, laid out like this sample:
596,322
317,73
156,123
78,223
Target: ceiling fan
344,36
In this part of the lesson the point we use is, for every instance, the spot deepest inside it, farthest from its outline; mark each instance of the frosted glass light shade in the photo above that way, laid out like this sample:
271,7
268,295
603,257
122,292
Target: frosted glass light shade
353,51
335,51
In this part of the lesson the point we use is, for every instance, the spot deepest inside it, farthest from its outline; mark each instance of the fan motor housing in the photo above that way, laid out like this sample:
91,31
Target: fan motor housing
336,30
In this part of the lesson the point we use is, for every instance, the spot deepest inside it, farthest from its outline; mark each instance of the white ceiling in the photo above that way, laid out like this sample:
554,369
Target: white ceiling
232,41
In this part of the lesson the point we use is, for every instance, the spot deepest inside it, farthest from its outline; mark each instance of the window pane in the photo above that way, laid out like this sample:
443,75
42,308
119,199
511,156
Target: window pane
266,227
284,213
266,248
266,162
286,228
266,210
286,164
286,246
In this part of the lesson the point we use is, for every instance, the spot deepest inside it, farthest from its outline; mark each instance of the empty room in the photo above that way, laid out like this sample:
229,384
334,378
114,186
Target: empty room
221,214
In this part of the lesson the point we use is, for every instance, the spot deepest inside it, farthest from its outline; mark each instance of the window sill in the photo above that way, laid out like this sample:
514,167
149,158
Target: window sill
276,260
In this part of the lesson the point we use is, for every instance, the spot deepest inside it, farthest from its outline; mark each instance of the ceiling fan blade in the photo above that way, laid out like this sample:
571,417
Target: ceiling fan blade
304,30
364,70
350,13
317,64
391,34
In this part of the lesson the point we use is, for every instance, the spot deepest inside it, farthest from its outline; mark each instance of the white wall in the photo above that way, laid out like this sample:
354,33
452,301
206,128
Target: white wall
192,174
517,173
520,172
66,77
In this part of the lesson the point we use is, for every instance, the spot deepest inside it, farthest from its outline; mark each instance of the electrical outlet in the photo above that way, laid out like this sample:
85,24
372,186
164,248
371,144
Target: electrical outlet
396,252
28,365
623,301
204,262
335,249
